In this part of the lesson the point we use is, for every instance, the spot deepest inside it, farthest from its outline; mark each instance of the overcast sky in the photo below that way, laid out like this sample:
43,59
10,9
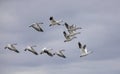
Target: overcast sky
100,20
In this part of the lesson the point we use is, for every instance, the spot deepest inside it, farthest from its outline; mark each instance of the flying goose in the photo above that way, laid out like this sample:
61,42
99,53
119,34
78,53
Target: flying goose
31,49
68,37
37,27
11,47
54,22
83,50
60,53
72,27
47,51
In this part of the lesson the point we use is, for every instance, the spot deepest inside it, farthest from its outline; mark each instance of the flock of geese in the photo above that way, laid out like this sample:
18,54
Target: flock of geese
68,37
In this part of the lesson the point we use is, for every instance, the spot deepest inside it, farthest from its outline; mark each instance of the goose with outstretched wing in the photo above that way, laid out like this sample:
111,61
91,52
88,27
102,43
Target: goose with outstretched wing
68,37
31,49
54,22
83,50
71,27
47,51
60,53
37,27
11,47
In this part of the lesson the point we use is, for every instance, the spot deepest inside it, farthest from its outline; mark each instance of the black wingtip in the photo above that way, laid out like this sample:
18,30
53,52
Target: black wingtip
17,51
51,18
42,30
64,57
66,24
36,53
84,46
64,32
79,44
50,25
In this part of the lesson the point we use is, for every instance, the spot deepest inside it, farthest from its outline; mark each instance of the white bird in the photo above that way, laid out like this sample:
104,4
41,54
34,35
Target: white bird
47,51
54,22
68,37
72,27
11,47
83,50
60,53
37,27
31,49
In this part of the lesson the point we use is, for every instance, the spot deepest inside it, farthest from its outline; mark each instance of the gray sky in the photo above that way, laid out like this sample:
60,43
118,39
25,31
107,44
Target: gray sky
98,18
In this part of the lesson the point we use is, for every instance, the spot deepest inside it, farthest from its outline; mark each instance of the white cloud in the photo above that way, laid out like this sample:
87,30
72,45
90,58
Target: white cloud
100,23
91,67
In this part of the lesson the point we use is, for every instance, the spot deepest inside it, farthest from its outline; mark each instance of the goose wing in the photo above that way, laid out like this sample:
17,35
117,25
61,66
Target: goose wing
39,28
84,47
61,50
71,31
66,35
84,50
32,49
80,45
13,47
67,26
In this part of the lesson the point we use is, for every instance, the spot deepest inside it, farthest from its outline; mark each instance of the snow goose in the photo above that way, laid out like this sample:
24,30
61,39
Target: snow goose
83,50
11,47
47,51
54,22
60,53
68,37
31,49
72,27
37,27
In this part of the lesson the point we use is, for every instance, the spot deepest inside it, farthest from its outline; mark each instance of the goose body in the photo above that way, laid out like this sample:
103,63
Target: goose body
74,28
11,47
37,27
73,33
31,49
54,22
83,50
68,37
60,53
47,51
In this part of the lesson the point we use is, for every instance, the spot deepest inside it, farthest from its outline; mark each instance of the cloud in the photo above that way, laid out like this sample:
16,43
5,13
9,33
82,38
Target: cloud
85,67
100,23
